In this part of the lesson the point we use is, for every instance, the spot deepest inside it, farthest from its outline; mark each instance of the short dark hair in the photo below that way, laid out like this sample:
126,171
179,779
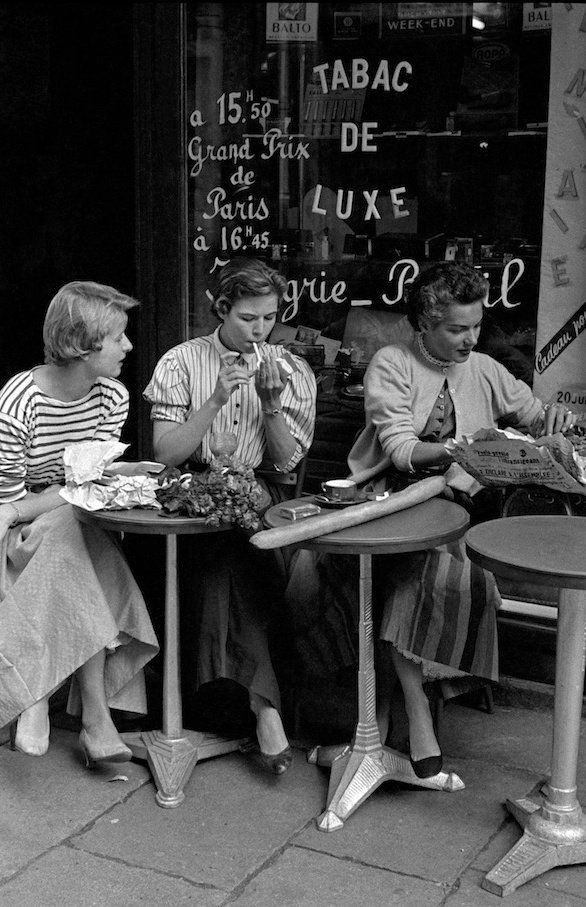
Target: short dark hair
243,277
434,289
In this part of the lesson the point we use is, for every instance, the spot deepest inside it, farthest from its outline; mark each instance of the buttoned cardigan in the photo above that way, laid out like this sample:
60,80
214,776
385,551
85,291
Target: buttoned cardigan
401,388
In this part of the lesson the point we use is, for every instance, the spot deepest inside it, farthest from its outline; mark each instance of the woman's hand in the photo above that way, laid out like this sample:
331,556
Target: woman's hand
556,418
7,515
229,378
269,384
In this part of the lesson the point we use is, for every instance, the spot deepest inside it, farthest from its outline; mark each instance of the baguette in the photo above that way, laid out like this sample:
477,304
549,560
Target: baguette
324,523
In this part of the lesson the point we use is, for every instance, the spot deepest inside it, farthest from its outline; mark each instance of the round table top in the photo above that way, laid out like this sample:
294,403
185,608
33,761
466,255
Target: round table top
434,522
146,522
546,549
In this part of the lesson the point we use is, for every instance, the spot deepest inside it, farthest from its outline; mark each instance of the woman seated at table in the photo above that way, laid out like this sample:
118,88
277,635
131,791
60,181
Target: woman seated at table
439,609
214,384
68,601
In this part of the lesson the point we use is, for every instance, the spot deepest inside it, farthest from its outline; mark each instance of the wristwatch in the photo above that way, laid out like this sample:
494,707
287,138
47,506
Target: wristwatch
273,412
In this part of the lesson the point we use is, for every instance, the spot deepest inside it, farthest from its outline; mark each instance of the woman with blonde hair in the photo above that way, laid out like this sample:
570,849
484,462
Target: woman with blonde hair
70,605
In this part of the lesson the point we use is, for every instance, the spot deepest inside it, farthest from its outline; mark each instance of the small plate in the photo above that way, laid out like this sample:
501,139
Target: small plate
134,468
152,466
339,505
354,390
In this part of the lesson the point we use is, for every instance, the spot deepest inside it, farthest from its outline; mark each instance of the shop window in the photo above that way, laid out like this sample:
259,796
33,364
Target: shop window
351,144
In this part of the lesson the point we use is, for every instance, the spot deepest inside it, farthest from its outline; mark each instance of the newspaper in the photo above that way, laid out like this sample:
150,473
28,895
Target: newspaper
496,457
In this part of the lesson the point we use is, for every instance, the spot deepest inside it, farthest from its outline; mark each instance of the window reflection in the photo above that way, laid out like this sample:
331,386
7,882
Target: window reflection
351,144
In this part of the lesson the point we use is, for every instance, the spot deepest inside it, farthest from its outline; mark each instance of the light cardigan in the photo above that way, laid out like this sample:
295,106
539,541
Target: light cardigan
401,388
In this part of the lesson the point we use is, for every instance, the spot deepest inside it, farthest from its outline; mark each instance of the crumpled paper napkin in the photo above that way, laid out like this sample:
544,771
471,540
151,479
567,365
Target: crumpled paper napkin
87,487
87,460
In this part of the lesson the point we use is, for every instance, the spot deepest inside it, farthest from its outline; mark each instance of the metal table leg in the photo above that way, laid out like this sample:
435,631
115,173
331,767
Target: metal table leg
554,827
358,769
171,754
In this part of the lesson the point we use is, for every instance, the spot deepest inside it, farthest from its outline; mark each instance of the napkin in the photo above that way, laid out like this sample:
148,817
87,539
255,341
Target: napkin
87,485
87,460
116,493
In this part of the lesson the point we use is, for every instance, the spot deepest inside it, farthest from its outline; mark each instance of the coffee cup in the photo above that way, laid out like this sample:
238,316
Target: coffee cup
339,489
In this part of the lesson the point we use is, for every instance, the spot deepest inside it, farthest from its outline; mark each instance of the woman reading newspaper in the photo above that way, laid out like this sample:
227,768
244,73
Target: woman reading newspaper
438,609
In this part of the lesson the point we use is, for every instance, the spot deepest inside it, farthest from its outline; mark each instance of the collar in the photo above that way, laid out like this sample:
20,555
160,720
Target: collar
444,364
249,358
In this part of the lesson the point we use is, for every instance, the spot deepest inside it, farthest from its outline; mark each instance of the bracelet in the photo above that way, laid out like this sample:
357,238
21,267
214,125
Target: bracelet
273,412
18,518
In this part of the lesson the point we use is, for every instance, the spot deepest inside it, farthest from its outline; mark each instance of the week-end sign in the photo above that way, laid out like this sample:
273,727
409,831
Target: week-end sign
560,349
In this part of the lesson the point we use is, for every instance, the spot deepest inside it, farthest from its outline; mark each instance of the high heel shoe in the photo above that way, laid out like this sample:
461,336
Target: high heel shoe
279,763
95,752
427,767
31,744
276,763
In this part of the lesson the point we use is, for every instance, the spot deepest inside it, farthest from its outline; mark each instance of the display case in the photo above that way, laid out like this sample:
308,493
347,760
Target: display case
349,145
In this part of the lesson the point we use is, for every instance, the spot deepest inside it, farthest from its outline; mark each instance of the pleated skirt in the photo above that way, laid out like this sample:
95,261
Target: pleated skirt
436,607
440,609
69,594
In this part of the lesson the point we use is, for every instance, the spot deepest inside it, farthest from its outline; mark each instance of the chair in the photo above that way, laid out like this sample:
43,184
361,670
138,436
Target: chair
533,499
4,731
293,479
3,556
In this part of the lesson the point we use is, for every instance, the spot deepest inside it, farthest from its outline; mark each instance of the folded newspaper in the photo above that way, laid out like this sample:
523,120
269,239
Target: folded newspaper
507,457
91,482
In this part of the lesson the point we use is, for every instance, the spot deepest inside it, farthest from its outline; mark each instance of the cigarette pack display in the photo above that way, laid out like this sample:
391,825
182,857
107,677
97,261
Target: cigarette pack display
299,511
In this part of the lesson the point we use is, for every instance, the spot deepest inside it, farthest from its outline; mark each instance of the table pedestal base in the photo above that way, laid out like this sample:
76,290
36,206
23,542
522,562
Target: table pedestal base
172,760
550,839
356,773
554,827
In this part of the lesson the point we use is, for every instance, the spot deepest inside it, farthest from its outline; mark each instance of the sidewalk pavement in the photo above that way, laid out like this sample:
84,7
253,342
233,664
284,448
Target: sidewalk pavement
75,838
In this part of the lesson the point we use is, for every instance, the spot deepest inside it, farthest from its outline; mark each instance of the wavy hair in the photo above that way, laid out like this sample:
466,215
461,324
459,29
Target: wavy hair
434,289
78,318
244,277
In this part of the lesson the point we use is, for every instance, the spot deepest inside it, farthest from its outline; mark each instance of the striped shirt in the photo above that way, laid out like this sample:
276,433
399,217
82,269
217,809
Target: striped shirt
35,429
186,376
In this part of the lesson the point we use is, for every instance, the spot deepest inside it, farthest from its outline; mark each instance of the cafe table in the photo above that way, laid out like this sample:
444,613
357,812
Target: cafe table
359,768
549,550
171,752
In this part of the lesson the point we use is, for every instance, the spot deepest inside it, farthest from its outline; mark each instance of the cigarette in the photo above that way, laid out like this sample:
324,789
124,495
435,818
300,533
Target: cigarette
258,355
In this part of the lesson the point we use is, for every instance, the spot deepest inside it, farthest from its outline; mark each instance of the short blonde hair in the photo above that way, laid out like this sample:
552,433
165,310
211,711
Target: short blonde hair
79,317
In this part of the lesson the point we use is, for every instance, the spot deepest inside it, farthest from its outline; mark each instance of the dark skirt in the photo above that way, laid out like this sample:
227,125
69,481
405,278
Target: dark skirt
229,594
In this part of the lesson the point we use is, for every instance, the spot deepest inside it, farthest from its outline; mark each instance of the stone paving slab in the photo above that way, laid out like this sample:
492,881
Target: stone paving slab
300,878
429,834
65,877
234,817
541,892
570,879
246,838
513,737
45,800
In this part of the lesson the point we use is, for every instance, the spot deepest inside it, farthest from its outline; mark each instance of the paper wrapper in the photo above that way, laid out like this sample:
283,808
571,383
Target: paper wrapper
494,457
117,493
86,461
86,485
